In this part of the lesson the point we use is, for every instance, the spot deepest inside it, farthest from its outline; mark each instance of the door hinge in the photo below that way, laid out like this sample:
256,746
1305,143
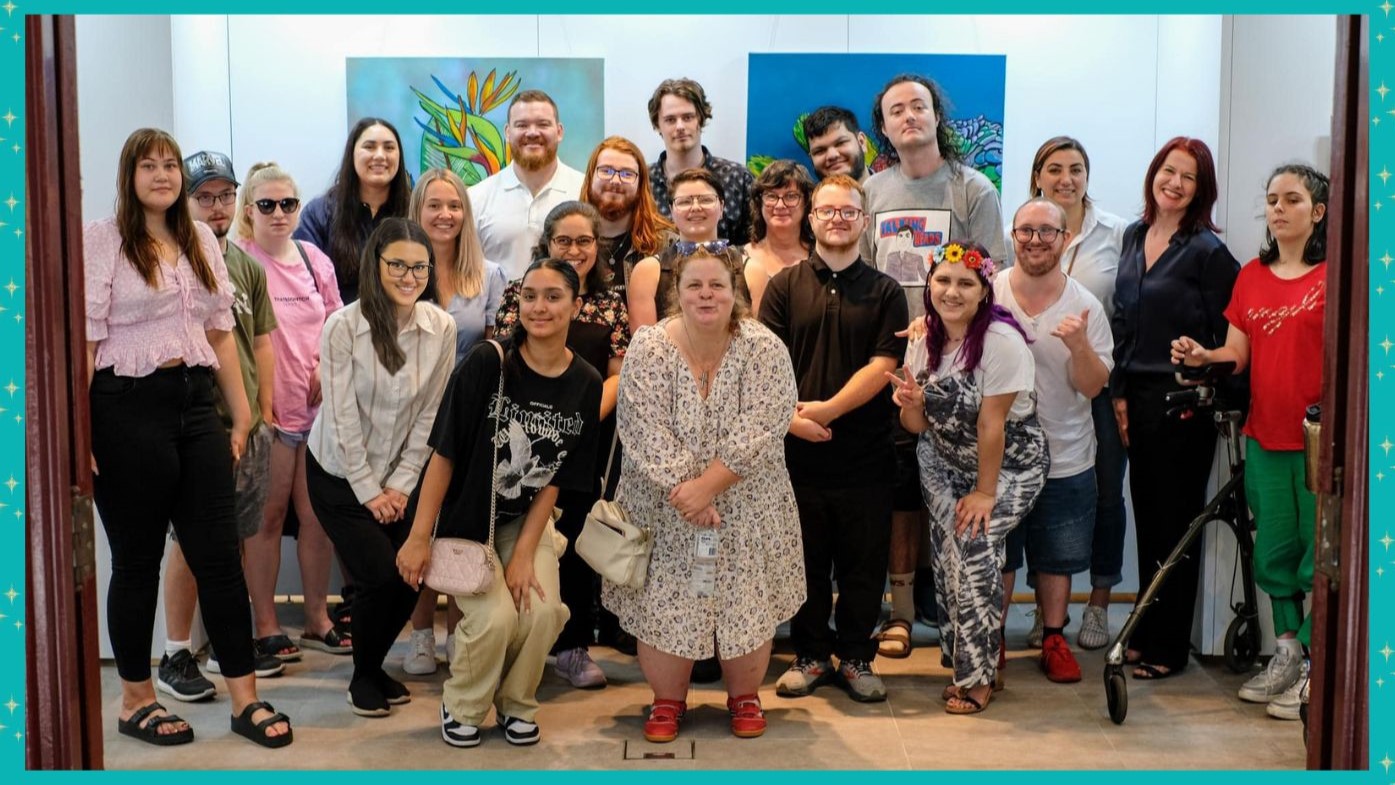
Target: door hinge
84,538
1329,530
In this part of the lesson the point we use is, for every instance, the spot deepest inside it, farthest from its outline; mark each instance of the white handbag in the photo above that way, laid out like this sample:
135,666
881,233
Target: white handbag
616,548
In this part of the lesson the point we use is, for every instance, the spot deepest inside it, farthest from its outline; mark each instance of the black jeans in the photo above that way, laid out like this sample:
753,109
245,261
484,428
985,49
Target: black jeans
383,602
1170,464
579,584
163,457
847,534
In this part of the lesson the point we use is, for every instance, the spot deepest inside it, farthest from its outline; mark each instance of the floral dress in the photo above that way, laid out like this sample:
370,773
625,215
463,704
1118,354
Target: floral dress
671,434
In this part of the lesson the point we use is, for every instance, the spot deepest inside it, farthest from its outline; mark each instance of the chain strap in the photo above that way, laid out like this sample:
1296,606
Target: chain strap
494,462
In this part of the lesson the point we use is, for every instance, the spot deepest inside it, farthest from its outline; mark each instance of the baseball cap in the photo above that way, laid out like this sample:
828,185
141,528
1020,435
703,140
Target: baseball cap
205,165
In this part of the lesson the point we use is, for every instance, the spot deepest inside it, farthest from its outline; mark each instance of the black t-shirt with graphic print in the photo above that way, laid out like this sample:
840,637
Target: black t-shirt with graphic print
547,437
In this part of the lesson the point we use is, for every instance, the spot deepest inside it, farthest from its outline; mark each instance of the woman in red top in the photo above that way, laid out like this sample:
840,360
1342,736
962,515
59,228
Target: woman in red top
1276,316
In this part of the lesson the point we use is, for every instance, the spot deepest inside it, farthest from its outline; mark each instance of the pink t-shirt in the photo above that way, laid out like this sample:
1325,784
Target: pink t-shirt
137,327
301,304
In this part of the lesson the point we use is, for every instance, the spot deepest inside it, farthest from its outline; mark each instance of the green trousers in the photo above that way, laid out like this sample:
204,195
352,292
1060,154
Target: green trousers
1286,518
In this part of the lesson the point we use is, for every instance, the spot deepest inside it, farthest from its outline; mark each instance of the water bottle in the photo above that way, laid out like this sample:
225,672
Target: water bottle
704,580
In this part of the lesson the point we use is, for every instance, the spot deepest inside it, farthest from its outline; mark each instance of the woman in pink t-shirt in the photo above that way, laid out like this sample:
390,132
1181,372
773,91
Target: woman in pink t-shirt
159,350
301,284
1276,315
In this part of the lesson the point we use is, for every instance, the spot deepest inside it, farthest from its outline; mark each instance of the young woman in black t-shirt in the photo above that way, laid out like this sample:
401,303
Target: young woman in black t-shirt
546,442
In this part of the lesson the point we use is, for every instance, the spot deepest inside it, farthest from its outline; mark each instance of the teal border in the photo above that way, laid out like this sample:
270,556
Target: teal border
13,392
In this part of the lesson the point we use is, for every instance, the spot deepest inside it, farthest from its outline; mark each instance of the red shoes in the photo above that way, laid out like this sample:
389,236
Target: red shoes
1057,661
747,717
664,716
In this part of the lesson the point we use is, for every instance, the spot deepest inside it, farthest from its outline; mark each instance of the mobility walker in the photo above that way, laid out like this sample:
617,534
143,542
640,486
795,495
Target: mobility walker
1242,638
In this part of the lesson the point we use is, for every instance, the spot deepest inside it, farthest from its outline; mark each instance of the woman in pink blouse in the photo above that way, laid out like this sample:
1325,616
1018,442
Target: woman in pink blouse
160,348
301,283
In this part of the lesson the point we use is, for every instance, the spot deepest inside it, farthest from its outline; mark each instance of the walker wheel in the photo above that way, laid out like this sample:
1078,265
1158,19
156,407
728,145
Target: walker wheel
1241,646
1116,692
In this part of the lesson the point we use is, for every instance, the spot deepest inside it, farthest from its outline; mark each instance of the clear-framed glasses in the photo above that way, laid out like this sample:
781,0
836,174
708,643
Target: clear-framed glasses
583,243
268,206
224,198
704,201
686,248
627,176
1023,234
827,213
399,269
791,199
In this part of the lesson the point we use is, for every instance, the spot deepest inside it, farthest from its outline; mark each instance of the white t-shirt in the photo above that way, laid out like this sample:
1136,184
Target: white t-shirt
1006,366
1064,412
510,219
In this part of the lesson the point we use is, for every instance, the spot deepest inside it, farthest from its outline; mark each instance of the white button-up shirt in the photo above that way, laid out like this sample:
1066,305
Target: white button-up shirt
510,219
372,426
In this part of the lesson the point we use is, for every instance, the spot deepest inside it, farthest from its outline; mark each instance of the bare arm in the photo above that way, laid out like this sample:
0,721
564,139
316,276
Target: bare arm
640,291
861,388
610,390
265,357
1237,350
229,376
518,573
415,554
756,281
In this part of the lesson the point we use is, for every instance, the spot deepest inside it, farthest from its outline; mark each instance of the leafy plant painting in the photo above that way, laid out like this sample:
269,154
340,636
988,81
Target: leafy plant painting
457,135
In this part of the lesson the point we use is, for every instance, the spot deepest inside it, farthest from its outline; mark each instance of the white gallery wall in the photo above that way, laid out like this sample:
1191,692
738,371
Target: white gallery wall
273,87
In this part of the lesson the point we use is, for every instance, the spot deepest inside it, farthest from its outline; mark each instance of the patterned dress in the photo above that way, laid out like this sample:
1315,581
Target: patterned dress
671,434
968,572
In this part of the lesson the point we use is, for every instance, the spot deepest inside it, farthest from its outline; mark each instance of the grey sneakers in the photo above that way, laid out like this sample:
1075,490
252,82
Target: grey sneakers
577,667
1094,628
420,658
1280,674
863,685
1288,705
804,675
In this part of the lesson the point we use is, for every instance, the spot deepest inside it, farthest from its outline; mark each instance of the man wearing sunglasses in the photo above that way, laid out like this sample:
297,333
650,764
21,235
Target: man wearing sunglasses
617,185
839,316
212,190
679,111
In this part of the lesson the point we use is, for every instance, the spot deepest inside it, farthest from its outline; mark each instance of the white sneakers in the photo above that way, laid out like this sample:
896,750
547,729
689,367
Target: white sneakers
1094,628
1277,676
1288,705
420,658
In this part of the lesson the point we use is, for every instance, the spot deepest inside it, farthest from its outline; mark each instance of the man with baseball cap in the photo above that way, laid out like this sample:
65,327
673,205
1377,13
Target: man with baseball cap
212,189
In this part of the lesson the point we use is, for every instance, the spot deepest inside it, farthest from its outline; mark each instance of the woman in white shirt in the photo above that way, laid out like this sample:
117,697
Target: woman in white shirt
384,363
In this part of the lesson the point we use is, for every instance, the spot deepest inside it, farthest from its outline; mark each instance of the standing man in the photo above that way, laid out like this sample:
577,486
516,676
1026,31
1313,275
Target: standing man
511,204
679,111
632,228
836,143
839,317
1074,352
212,199
928,197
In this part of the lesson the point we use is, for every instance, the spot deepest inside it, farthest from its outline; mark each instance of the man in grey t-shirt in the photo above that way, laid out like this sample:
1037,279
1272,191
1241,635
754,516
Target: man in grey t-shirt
928,197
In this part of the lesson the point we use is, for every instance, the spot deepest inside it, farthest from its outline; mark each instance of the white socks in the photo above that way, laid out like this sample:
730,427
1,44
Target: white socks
174,647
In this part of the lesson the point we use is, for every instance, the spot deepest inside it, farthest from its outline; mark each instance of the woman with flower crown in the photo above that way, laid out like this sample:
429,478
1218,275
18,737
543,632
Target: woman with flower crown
967,390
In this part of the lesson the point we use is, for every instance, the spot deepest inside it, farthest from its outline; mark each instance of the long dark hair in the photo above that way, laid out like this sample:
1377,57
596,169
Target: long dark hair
345,238
519,336
937,335
373,299
779,174
944,133
137,245
1319,189
595,279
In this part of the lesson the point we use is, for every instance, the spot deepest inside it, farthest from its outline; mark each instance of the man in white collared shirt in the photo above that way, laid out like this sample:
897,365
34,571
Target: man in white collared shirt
510,206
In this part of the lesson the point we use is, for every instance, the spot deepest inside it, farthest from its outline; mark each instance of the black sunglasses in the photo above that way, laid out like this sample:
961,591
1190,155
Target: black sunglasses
268,206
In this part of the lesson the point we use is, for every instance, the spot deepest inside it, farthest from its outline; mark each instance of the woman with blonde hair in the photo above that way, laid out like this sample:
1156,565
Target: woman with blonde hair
469,287
304,292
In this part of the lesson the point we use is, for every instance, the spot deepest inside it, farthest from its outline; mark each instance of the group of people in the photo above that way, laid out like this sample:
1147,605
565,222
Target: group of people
792,381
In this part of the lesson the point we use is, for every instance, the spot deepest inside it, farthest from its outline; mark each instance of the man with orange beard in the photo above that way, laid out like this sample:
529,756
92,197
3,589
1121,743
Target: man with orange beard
632,228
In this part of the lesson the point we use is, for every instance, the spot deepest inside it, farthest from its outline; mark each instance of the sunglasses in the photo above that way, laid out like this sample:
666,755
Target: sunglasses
268,206
686,248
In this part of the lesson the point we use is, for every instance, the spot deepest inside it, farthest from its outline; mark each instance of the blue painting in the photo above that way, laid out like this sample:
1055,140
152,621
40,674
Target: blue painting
786,87
452,112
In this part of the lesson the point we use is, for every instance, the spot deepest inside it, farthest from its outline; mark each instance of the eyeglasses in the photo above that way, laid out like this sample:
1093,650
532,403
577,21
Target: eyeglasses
268,206
791,199
827,213
686,248
398,269
582,243
207,200
1023,234
627,176
706,202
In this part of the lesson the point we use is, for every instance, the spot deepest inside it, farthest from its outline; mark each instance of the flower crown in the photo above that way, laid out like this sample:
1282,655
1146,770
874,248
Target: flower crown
954,253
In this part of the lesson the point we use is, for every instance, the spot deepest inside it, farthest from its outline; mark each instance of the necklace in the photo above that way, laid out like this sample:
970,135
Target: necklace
704,371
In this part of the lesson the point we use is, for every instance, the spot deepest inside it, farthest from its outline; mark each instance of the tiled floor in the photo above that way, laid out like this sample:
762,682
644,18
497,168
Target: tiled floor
1193,721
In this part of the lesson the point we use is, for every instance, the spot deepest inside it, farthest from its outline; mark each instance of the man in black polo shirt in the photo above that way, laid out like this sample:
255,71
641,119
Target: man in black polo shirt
839,317
679,111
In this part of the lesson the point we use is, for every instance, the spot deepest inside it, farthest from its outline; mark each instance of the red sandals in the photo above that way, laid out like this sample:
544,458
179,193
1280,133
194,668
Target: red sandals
664,716
747,717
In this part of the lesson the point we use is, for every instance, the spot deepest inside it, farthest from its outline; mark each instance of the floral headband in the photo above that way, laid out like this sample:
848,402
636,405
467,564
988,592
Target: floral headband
954,253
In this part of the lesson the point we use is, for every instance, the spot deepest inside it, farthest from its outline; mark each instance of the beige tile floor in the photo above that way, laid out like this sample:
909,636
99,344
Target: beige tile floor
1193,721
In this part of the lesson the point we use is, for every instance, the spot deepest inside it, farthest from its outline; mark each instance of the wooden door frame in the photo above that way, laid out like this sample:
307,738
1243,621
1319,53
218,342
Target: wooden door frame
63,707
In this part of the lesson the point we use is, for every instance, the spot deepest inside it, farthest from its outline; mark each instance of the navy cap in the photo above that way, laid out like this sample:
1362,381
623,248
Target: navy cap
203,166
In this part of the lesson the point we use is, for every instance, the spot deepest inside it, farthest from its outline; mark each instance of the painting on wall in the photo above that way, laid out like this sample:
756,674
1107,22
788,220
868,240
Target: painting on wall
785,87
452,111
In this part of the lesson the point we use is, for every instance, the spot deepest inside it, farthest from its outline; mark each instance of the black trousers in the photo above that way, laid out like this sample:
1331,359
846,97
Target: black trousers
847,535
579,584
1170,464
383,602
163,457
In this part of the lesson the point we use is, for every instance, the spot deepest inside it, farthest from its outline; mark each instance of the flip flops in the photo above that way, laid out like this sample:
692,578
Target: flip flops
150,732
894,639
1145,672
332,641
243,726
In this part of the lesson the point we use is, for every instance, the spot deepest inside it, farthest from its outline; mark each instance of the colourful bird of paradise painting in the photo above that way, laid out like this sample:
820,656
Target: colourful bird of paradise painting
457,136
